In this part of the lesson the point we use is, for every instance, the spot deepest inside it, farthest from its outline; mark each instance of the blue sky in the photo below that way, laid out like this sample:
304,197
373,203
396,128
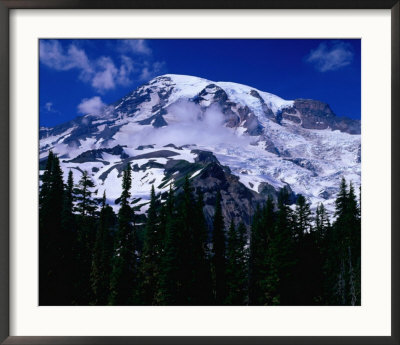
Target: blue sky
80,76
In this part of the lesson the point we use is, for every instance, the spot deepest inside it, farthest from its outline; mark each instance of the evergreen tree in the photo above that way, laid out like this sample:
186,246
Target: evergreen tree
255,258
322,223
86,229
170,285
342,267
321,238
52,261
85,206
236,268
201,283
185,269
282,258
353,249
302,217
219,261
102,255
341,199
186,214
69,199
69,245
267,257
305,274
123,285
263,275
151,255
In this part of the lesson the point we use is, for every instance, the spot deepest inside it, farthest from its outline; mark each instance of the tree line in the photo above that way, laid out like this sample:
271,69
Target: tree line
88,255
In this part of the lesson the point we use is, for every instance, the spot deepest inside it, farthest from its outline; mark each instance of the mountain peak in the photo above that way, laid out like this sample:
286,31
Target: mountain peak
262,141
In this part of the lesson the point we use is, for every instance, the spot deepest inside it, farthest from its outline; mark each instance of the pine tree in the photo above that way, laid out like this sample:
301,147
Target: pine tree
307,271
231,264
306,255
283,260
341,199
69,195
169,287
86,229
186,214
152,249
302,217
320,238
68,219
201,283
263,279
123,285
45,187
69,245
243,263
267,256
236,267
342,267
353,249
102,255
52,261
219,261
322,223
85,206
255,259
185,269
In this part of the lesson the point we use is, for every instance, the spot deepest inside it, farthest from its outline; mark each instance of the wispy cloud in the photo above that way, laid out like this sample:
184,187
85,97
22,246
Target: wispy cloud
126,70
190,124
151,70
49,107
135,47
331,56
92,105
103,73
53,55
105,76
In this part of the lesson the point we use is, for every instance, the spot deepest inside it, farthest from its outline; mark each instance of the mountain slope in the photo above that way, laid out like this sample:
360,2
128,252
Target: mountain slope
229,136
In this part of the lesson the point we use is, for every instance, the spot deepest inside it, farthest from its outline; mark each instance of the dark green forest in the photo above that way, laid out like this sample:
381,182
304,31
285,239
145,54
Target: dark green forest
88,255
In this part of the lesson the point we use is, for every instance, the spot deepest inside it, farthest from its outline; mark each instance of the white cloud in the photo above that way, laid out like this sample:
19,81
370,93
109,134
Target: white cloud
331,56
125,71
103,73
188,123
48,106
151,70
54,56
104,77
135,47
92,105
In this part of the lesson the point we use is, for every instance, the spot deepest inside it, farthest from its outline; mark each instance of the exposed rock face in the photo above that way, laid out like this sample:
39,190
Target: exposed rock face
309,108
97,155
238,202
312,114
267,111
212,94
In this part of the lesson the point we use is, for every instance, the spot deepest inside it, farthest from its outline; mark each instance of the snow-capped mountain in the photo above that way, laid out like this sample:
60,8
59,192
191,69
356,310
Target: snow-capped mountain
224,135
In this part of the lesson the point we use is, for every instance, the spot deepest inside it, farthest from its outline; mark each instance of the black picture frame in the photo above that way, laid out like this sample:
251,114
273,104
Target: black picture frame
7,5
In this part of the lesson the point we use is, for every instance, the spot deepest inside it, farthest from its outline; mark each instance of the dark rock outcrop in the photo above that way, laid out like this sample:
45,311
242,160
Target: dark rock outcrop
314,114
97,155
